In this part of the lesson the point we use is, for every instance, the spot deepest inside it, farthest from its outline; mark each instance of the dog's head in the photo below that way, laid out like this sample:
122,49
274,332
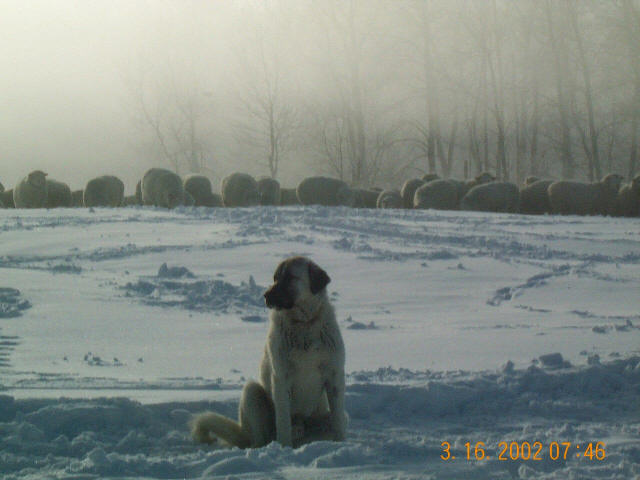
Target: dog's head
296,281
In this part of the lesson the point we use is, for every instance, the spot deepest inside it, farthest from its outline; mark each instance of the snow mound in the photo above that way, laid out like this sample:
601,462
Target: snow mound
178,287
593,391
63,268
554,360
11,302
96,361
399,418
174,272
355,325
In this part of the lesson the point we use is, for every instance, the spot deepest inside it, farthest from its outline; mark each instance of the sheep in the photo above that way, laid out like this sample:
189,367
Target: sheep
31,191
7,198
481,179
492,197
325,191
463,186
609,188
104,191
438,194
628,201
529,180
239,190
389,199
408,190
534,199
58,194
162,188
446,194
269,190
578,198
366,198
568,197
77,198
430,177
199,188
288,196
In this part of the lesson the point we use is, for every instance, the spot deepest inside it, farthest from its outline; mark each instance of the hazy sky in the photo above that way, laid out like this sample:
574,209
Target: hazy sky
62,89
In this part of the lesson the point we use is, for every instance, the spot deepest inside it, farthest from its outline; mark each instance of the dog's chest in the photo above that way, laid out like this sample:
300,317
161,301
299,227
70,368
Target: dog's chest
308,373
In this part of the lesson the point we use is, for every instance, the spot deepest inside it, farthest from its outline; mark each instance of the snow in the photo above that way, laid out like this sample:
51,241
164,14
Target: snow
117,325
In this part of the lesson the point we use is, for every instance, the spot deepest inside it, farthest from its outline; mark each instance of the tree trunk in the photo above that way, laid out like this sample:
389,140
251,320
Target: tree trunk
485,120
356,120
447,160
559,61
631,16
473,144
633,154
431,89
534,168
194,160
498,99
594,153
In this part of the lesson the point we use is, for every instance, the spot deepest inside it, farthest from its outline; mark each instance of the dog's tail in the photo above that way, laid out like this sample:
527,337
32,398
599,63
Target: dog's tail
208,427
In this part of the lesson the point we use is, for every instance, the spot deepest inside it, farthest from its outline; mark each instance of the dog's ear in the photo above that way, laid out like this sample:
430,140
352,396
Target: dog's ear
318,278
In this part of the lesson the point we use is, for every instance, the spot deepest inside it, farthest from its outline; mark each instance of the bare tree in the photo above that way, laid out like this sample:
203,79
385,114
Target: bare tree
271,116
493,51
430,79
422,42
559,51
631,14
332,143
174,117
590,141
344,35
525,89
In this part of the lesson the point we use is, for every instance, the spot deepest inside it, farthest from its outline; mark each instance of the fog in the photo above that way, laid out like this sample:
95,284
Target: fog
370,91
65,101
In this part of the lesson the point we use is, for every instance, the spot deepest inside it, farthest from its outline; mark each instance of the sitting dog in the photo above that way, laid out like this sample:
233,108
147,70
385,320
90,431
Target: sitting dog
300,397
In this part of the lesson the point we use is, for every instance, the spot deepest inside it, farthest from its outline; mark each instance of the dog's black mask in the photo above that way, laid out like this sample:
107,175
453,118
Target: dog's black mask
282,294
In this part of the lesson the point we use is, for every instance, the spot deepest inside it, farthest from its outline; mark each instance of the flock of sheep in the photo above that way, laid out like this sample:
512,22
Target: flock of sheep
164,188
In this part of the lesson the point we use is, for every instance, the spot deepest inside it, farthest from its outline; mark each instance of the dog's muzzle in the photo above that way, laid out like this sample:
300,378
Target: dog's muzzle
277,297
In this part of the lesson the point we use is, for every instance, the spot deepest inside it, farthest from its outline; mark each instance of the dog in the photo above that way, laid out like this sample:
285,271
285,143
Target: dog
300,396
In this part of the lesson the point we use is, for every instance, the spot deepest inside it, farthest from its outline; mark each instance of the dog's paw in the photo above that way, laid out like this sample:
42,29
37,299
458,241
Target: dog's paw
297,432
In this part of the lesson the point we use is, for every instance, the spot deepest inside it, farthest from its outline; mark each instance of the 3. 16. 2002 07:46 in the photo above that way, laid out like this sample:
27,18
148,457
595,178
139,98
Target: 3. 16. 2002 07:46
529,451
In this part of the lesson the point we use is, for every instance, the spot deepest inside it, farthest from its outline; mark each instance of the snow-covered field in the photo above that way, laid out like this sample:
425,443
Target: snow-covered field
116,325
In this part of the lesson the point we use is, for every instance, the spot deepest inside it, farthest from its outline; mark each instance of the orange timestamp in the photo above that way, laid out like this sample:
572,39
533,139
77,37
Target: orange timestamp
533,451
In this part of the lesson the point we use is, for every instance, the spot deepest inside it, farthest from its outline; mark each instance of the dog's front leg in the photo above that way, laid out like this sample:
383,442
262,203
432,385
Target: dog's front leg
282,404
335,395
